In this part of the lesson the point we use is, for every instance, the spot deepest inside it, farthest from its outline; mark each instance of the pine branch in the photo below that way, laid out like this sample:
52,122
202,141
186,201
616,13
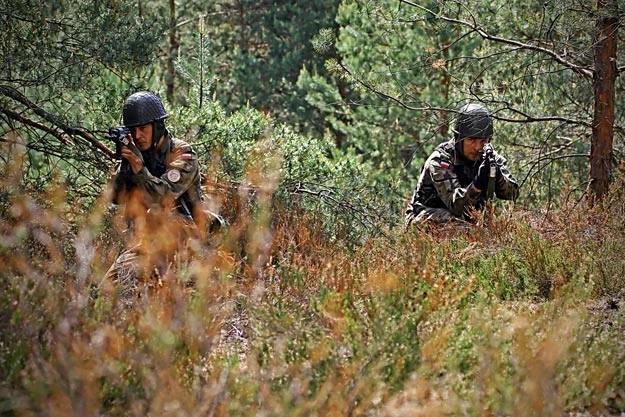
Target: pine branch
526,118
584,71
15,116
15,95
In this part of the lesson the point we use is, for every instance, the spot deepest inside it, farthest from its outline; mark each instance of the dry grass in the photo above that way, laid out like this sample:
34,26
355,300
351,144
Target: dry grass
522,317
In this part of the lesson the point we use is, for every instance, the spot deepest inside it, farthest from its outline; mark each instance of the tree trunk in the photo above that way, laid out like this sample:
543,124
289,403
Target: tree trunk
604,91
446,86
170,75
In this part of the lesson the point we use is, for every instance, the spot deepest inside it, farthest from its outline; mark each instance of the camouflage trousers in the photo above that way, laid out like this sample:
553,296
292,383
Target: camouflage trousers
431,215
133,272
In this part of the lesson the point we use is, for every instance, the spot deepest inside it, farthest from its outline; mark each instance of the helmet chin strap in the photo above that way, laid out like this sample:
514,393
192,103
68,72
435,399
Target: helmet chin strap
158,130
458,145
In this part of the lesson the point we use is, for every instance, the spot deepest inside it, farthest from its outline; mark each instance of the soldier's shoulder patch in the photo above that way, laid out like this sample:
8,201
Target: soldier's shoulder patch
187,155
173,175
444,165
185,148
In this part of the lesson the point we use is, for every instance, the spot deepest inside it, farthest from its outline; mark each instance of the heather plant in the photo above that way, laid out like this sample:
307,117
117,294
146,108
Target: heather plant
315,176
517,315
313,300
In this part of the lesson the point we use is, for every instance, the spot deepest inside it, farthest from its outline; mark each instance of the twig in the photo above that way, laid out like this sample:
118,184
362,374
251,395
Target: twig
19,97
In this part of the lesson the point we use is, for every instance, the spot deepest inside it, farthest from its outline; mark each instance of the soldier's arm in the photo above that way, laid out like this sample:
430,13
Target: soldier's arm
506,186
121,182
411,212
451,192
182,170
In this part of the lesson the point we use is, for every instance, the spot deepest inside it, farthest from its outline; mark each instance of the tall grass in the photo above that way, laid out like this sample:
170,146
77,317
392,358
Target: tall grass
520,317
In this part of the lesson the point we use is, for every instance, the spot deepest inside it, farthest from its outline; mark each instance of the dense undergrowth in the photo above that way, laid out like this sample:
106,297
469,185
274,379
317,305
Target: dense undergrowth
521,315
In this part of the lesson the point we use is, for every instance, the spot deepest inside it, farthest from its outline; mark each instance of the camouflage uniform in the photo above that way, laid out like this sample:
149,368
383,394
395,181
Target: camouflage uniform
170,177
169,186
445,191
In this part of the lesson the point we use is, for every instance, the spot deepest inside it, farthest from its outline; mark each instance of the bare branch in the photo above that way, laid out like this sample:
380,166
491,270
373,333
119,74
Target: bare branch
15,116
330,196
586,72
35,147
531,119
547,160
201,16
388,96
19,97
526,117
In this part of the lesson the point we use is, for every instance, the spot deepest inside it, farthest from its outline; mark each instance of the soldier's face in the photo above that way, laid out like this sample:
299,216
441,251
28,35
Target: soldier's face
142,136
471,147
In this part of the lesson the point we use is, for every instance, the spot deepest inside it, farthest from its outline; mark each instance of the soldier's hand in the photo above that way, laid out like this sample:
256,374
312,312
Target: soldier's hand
488,153
481,178
136,163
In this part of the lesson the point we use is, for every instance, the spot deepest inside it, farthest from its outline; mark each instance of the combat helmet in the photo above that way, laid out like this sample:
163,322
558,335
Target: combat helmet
142,108
473,121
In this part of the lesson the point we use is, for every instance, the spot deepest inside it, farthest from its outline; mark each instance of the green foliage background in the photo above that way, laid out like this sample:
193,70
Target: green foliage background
377,83
312,121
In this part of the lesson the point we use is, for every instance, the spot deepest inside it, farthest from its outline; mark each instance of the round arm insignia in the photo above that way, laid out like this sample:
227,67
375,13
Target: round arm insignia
173,175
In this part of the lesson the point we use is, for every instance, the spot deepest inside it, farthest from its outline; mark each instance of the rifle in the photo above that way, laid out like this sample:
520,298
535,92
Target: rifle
488,153
119,135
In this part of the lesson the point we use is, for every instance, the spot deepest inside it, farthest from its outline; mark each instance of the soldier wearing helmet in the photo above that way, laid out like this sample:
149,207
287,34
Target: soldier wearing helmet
463,173
158,179
156,169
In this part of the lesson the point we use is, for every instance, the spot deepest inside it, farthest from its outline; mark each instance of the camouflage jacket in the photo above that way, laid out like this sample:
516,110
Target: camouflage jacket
446,182
169,178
